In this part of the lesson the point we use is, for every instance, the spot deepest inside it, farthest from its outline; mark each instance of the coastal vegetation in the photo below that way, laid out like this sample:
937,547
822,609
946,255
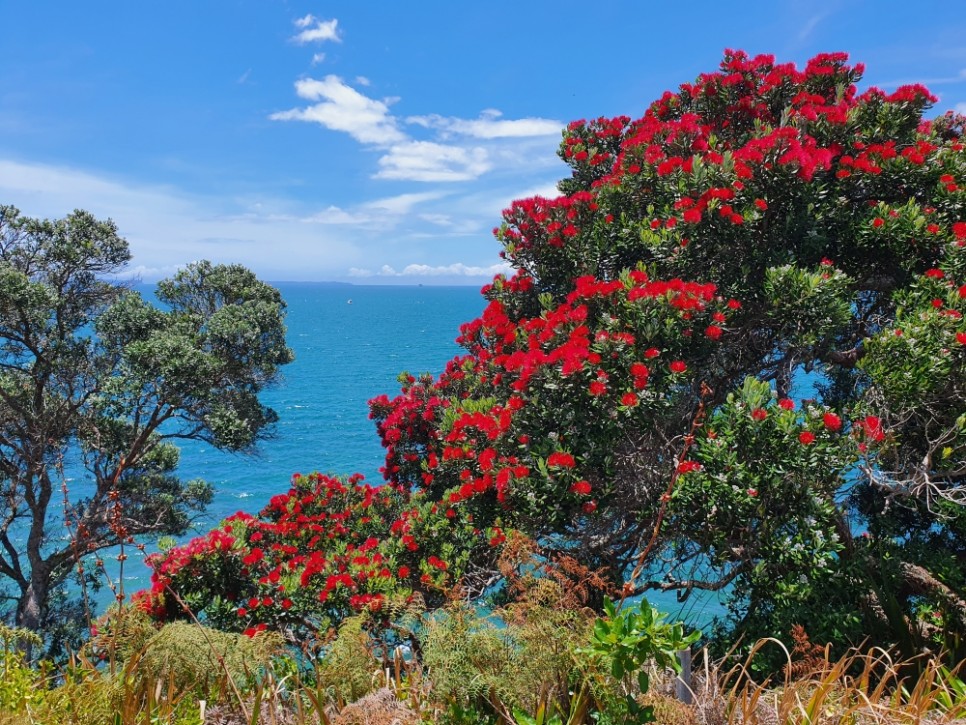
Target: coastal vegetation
730,359
95,377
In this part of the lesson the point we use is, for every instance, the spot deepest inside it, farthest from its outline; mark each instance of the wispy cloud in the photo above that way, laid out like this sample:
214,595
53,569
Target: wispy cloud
404,203
337,215
342,108
809,26
440,220
934,81
429,161
167,227
960,108
457,269
313,30
490,125
457,149
143,272
278,238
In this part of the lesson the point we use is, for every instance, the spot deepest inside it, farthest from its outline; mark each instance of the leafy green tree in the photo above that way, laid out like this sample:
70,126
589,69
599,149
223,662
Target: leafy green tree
93,375
762,234
731,358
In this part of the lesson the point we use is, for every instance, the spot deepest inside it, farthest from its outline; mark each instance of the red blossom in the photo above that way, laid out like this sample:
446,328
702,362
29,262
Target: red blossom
561,460
832,422
871,427
806,438
688,466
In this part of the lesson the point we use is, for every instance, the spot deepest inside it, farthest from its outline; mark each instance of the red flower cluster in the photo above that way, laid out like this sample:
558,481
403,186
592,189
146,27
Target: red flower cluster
582,339
329,542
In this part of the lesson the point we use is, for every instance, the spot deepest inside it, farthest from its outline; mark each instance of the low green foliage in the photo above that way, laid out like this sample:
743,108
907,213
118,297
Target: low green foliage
197,658
20,685
344,671
628,641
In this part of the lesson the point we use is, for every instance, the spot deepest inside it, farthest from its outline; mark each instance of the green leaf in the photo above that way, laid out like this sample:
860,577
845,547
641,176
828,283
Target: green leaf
643,681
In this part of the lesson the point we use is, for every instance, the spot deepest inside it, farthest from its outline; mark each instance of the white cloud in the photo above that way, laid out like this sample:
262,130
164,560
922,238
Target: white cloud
453,270
960,77
243,78
472,148
314,30
403,203
809,26
336,215
167,228
142,272
378,214
487,205
318,58
424,149
342,108
490,126
440,220
960,108
429,161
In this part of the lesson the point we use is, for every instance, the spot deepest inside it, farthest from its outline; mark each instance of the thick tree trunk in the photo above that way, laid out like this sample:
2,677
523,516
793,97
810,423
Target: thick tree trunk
32,607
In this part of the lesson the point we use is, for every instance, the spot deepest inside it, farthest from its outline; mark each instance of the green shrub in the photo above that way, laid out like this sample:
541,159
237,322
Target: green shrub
345,670
20,685
198,658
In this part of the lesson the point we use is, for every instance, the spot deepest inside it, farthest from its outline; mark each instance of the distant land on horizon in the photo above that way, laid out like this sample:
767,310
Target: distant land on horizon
333,283
336,283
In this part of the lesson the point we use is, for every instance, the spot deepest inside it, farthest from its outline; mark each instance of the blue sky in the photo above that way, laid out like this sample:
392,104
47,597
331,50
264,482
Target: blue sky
373,141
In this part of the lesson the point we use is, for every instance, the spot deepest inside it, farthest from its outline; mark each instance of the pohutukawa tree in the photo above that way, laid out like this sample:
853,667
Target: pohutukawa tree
93,375
732,354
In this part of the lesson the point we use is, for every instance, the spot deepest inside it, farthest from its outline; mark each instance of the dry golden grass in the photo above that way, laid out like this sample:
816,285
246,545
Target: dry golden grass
859,688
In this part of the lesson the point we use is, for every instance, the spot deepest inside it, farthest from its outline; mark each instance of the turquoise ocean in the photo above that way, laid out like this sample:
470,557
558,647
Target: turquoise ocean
351,342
